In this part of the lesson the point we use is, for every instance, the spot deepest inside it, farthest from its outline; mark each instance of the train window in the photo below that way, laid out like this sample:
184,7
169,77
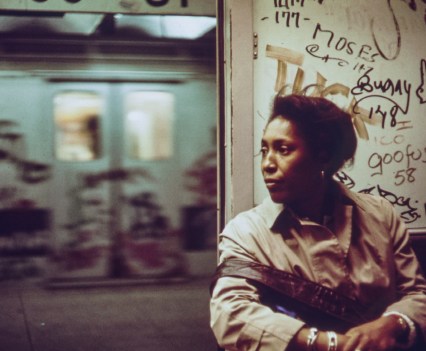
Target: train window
77,120
149,124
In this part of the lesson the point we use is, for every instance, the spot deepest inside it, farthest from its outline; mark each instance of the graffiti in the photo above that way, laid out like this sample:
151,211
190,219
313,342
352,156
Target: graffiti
386,140
288,3
363,52
407,212
360,67
388,86
404,205
382,95
373,97
29,172
312,49
382,92
377,161
421,90
379,110
340,44
369,191
398,36
376,89
413,6
345,179
289,18
285,56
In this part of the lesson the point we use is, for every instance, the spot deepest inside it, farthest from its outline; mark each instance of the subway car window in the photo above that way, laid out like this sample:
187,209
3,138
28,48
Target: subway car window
149,124
77,116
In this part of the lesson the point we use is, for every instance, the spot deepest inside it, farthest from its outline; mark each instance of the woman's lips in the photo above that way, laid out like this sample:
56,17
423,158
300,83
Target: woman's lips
273,184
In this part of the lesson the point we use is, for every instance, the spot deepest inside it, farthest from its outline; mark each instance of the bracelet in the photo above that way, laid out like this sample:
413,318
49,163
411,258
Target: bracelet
312,337
332,341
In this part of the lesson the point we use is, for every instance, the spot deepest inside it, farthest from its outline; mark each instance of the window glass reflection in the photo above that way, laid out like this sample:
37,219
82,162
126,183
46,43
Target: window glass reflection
77,120
149,124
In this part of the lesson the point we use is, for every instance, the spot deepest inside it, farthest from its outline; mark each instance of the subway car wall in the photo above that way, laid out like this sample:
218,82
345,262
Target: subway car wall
107,151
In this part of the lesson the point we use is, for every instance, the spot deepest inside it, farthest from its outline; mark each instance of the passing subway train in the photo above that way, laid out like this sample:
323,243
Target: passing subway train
107,144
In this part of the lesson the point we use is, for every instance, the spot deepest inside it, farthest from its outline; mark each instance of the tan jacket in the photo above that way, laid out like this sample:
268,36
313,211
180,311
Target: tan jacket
362,251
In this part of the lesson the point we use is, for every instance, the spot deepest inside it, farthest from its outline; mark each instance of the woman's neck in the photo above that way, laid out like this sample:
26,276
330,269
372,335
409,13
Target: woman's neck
317,205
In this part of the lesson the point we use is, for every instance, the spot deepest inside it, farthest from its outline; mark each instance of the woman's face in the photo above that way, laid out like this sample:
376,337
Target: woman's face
291,172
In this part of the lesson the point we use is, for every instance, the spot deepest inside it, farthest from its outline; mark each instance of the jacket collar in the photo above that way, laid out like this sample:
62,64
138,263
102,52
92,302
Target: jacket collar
271,210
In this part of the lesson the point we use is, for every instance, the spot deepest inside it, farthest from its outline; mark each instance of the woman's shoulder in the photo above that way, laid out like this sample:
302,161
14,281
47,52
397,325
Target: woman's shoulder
370,201
248,235
373,208
366,201
262,215
374,203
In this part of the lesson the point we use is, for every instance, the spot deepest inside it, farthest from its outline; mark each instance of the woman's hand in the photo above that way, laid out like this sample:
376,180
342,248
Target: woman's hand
378,335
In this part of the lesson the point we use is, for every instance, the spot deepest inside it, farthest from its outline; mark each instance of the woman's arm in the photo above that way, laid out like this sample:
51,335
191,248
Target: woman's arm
240,322
410,281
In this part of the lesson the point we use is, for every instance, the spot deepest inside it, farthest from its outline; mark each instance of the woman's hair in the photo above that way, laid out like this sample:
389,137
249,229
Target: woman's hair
326,128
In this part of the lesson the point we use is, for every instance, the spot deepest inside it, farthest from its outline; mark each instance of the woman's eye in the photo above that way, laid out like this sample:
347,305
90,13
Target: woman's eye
263,151
283,150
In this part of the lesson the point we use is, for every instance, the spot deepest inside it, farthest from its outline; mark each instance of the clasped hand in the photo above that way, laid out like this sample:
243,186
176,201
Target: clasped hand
378,335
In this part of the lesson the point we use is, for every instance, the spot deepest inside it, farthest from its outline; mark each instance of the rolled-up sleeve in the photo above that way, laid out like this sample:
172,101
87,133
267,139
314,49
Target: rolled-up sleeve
410,282
238,319
240,322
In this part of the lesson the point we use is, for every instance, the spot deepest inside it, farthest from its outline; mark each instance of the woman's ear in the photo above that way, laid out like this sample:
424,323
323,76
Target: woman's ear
324,158
325,161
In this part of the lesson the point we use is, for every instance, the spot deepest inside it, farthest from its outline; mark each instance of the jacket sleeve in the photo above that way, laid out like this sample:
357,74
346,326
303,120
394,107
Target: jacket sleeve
410,282
238,319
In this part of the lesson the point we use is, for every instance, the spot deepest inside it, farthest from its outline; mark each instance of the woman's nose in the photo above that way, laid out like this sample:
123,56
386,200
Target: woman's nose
268,164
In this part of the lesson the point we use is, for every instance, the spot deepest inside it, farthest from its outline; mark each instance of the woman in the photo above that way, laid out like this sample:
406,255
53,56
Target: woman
314,230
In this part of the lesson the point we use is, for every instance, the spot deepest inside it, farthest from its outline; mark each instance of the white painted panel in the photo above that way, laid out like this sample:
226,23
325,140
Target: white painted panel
238,61
375,50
